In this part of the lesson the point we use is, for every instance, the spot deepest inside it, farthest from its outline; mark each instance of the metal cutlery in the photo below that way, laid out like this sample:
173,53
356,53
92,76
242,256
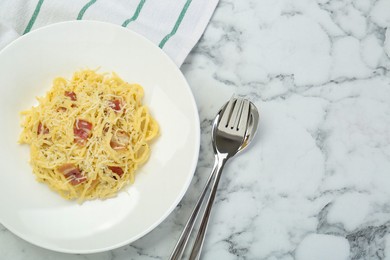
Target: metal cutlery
233,129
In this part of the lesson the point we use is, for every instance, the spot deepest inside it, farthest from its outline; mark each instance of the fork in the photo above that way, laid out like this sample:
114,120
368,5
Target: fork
228,137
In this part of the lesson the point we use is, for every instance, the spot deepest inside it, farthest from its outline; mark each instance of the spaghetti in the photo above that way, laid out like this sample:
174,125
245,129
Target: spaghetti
88,136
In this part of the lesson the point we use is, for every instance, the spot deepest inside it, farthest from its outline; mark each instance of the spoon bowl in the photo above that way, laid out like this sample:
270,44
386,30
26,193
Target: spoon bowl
253,123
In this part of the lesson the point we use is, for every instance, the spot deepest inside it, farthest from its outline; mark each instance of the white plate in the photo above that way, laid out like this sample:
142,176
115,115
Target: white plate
34,212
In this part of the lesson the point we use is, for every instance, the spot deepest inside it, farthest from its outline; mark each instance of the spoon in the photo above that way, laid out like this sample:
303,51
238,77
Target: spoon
233,129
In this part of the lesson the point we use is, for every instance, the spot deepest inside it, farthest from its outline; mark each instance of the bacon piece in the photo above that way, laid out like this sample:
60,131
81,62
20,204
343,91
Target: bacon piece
115,104
119,140
82,130
72,173
42,129
71,95
117,170
61,109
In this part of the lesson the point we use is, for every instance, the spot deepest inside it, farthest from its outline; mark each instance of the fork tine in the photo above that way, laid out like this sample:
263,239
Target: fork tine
234,119
227,112
242,125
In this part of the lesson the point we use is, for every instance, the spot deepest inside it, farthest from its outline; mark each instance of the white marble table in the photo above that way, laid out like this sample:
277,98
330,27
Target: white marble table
315,184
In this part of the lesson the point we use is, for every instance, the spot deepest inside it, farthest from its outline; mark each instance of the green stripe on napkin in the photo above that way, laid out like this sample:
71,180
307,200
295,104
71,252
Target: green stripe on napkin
136,13
177,24
85,7
33,17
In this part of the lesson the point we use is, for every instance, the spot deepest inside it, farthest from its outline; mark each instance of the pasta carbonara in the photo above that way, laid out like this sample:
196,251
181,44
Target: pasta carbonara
88,135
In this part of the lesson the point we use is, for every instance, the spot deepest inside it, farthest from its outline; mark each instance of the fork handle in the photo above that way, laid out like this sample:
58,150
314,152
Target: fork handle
185,235
198,244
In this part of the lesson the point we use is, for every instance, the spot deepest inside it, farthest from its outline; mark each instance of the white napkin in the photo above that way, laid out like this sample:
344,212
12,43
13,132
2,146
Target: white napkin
173,25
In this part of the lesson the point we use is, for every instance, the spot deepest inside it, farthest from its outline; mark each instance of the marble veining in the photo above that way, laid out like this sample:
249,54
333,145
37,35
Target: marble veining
315,183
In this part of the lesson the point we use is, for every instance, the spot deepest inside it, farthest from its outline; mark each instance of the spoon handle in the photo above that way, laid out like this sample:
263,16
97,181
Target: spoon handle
198,244
185,235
